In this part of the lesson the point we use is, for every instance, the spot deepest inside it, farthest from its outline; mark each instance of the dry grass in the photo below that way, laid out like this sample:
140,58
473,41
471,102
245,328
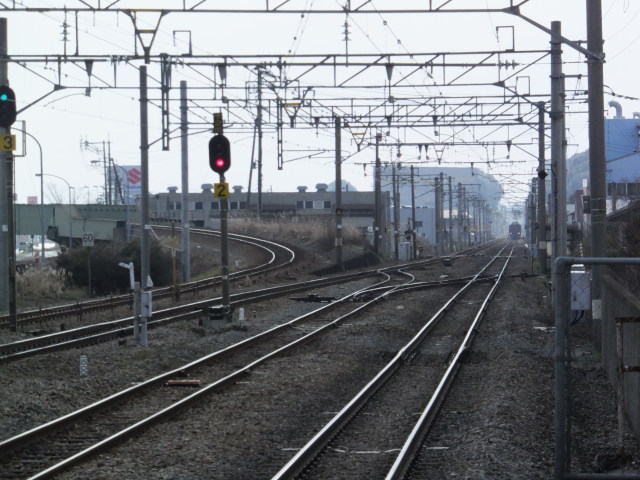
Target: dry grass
42,281
319,232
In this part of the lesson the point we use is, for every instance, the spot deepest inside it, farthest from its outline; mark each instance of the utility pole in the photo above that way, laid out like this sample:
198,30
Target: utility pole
413,216
396,210
542,192
185,241
377,228
460,206
259,125
338,213
482,219
467,219
558,169
438,220
474,214
145,293
531,209
443,226
597,165
450,214
110,176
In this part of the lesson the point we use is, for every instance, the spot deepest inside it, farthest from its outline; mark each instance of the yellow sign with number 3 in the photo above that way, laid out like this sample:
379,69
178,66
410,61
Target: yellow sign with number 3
7,143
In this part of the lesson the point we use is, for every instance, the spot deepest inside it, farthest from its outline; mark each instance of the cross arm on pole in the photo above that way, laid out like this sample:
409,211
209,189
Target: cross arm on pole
593,56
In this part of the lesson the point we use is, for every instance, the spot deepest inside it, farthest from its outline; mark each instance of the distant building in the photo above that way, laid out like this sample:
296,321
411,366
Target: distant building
622,153
474,181
357,208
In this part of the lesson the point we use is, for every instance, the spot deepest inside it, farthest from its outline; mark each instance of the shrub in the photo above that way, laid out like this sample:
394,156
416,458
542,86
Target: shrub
106,275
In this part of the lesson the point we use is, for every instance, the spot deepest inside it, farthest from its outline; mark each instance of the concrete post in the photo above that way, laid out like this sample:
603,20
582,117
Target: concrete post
144,204
185,242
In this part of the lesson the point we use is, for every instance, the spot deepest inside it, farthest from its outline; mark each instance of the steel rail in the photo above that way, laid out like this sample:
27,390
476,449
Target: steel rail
29,437
26,438
114,329
308,452
110,330
407,453
80,308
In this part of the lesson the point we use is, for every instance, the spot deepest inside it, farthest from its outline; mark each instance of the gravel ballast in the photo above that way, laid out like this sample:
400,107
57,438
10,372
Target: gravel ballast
496,424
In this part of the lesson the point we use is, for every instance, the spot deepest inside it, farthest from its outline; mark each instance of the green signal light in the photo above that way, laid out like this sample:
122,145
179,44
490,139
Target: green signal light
4,97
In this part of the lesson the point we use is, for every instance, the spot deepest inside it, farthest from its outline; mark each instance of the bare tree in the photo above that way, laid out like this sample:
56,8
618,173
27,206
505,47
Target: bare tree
54,193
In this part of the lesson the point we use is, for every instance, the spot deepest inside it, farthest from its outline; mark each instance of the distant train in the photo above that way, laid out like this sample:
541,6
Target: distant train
515,231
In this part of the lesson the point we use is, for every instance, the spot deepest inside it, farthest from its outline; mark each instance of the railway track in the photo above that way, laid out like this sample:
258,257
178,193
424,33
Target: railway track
123,327
113,330
276,256
362,439
114,410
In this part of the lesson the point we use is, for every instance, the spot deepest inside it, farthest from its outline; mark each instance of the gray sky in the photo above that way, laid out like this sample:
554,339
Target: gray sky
65,119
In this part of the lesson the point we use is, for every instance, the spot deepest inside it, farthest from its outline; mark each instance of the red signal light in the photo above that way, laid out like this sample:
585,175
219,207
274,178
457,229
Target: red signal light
219,154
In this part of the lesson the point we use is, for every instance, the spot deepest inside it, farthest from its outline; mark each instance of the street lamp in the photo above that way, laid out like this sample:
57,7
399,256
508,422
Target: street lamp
126,223
70,187
43,233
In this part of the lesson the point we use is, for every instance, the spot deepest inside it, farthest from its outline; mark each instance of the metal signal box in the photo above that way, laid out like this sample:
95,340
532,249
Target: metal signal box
580,288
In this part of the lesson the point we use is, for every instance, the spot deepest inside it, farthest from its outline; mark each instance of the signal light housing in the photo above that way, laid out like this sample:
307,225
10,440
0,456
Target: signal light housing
7,106
219,154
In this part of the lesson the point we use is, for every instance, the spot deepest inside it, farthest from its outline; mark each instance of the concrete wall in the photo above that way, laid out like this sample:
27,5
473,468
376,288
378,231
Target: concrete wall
101,220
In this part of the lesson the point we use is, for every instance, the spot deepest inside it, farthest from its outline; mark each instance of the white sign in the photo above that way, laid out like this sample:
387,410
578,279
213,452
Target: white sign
84,365
87,239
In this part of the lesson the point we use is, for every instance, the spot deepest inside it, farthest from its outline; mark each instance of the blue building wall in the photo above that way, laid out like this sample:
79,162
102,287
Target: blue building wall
622,150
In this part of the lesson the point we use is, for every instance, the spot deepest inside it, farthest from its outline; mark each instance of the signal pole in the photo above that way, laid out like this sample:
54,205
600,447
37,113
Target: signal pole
6,202
220,161
7,223
224,248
